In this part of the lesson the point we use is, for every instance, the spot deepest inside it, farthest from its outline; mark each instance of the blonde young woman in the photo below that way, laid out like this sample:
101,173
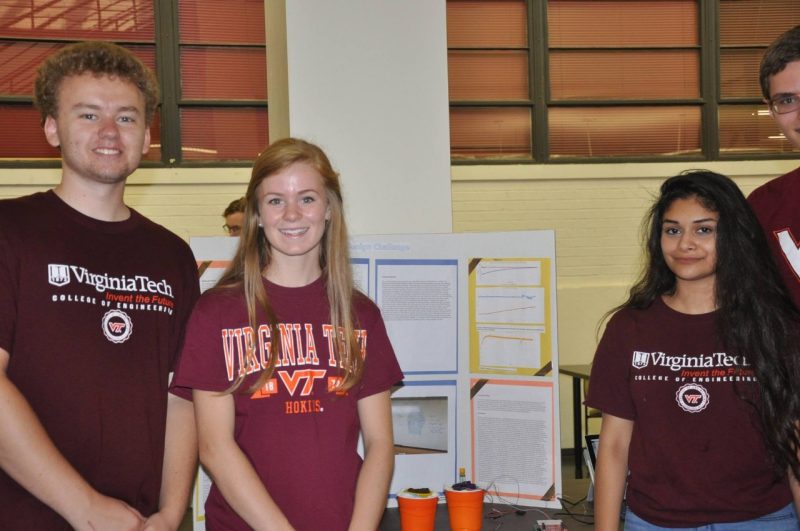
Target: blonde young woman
287,363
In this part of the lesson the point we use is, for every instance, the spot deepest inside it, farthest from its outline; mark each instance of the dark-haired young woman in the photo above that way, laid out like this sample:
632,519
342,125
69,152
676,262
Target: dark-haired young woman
696,374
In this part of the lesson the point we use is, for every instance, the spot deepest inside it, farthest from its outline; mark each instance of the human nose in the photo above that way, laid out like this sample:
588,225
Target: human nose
687,240
109,128
292,211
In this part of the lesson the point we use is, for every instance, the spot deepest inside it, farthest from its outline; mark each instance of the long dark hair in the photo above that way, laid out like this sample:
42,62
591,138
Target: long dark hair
755,316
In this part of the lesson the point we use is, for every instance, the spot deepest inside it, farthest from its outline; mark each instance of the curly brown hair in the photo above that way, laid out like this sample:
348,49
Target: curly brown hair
99,58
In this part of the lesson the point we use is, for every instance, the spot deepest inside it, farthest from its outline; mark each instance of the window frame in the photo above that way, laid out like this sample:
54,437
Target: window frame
167,53
539,104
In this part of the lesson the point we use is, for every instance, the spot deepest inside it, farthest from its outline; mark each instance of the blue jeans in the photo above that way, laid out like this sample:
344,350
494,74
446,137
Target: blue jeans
782,520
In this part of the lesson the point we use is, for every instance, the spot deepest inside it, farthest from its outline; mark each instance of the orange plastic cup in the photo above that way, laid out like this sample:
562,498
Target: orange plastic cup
417,514
465,508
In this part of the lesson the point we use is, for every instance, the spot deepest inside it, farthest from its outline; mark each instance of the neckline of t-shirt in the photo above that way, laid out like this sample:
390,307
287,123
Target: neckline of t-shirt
110,227
277,289
672,312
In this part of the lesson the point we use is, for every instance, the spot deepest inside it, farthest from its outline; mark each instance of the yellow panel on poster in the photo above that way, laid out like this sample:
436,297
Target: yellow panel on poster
510,324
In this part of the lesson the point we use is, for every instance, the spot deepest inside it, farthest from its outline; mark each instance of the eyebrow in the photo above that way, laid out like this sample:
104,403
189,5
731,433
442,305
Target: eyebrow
702,220
129,108
95,107
299,192
781,94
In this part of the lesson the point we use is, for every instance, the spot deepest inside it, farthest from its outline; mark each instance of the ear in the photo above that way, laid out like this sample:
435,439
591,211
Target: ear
51,131
146,144
769,108
328,213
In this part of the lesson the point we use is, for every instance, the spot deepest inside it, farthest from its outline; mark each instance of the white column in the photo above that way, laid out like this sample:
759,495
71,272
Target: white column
367,81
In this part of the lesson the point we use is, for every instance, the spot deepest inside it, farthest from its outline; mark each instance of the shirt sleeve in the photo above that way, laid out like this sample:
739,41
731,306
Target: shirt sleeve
381,369
609,381
202,361
189,295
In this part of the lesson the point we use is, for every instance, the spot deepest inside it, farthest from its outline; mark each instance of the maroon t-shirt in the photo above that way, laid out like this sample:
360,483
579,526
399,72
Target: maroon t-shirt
696,454
300,438
776,206
92,315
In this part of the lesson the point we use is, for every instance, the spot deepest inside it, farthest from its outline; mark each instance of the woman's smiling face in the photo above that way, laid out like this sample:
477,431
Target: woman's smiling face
293,211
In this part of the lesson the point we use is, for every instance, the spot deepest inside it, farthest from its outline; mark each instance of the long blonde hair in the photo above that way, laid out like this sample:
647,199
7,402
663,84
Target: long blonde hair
254,256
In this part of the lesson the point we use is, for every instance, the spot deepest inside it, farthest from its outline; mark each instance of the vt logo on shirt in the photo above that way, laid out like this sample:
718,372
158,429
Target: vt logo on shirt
692,398
300,363
790,249
640,359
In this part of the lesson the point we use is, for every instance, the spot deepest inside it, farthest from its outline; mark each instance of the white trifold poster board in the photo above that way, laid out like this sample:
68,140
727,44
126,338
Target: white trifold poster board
472,319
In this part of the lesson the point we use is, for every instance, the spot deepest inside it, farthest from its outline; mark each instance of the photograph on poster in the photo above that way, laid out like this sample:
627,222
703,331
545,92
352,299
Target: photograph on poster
420,425
432,469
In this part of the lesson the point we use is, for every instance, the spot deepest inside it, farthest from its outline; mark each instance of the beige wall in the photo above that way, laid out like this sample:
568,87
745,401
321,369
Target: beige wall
595,209
189,202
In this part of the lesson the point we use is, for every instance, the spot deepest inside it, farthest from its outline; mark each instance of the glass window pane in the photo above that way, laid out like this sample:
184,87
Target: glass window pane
490,132
624,131
223,133
223,73
26,138
739,73
591,23
755,22
114,20
749,129
233,72
482,24
20,60
229,22
651,74
487,75
18,64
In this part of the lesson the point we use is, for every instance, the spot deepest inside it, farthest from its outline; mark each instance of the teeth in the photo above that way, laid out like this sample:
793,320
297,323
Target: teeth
293,232
107,151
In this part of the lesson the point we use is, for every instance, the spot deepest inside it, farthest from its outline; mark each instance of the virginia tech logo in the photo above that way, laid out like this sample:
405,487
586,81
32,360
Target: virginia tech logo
58,274
117,326
640,359
692,398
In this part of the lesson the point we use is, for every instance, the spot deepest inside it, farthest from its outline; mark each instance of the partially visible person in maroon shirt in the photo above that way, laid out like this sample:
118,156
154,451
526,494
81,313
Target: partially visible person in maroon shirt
777,203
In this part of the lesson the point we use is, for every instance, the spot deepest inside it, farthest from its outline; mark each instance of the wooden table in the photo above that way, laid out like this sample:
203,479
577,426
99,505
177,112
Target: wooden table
578,374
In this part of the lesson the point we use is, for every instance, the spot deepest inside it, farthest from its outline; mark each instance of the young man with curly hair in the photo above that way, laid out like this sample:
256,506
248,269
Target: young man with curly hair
93,302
